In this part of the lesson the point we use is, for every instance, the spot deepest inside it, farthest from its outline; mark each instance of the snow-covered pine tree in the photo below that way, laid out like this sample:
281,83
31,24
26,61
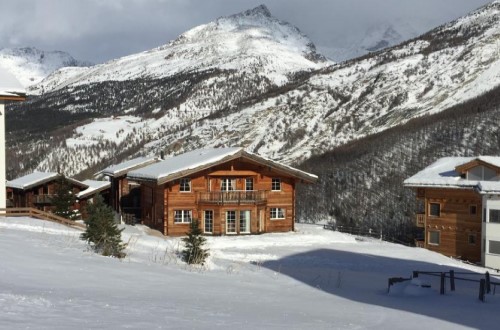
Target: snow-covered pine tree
102,232
193,252
63,199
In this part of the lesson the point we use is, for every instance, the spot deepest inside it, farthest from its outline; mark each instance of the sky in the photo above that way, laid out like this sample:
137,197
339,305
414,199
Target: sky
101,30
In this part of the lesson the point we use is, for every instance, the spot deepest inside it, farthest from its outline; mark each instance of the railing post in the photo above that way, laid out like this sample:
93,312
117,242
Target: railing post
452,280
441,290
481,289
488,284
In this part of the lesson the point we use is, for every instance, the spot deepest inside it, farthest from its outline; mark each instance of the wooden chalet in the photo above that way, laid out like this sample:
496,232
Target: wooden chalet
124,195
461,208
37,190
87,196
10,91
230,191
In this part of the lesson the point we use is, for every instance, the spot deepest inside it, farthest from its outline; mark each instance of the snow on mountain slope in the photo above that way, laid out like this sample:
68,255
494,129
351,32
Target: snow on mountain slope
248,41
447,66
376,37
308,279
31,65
307,114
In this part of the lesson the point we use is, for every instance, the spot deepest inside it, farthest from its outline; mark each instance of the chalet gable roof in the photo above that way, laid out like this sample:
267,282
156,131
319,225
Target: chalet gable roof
197,160
94,187
38,178
121,169
10,88
488,161
446,173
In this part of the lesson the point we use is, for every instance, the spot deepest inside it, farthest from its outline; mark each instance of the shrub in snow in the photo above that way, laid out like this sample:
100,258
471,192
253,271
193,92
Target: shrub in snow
193,252
63,200
102,232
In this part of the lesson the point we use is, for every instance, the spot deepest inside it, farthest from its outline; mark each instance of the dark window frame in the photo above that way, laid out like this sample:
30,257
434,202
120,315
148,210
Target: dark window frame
432,212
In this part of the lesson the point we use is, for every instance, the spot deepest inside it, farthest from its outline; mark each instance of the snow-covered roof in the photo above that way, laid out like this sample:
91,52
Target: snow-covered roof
129,165
9,85
489,187
37,178
94,187
196,160
492,160
32,179
442,174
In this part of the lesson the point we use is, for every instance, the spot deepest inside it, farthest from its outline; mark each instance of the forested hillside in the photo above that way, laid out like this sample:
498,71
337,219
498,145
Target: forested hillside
361,183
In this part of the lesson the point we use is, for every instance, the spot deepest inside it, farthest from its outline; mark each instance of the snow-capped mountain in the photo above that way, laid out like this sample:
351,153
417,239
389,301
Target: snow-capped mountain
251,41
252,80
376,37
31,65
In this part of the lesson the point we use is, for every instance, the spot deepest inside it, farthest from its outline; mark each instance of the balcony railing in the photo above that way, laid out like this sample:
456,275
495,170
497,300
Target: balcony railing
420,219
233,197
43,199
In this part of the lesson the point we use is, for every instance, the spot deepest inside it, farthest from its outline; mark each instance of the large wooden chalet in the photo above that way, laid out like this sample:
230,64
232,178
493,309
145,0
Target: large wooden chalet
461,199
230,191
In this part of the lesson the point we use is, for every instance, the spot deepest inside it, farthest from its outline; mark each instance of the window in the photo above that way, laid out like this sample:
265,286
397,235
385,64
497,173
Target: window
228,184
248,184
185,184
434,237
473,209
276,184
435,209
231,222
209,221
494,247
277,213
481,173
495,216
472,239
244,221
182,216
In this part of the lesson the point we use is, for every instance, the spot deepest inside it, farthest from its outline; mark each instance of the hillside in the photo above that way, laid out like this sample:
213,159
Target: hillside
312,278
363,126
31,65
361,183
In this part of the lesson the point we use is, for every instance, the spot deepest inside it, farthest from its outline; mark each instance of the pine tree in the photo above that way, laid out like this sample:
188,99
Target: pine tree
193,252
63,199
102,232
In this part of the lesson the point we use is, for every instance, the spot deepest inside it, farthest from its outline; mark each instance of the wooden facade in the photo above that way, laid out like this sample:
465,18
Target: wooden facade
455,192
124,196
236,197
454,230
40,195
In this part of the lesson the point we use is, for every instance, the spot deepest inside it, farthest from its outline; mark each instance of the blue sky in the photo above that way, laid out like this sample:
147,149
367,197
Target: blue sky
100,30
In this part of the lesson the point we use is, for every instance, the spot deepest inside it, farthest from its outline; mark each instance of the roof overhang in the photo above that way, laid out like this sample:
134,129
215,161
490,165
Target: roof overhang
304,177
476,162
13,97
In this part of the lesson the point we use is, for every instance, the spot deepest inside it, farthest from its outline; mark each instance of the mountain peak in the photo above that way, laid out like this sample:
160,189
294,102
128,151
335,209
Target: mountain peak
259,10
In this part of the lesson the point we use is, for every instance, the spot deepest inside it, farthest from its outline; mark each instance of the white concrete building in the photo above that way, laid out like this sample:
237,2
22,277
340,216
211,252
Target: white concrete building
10,90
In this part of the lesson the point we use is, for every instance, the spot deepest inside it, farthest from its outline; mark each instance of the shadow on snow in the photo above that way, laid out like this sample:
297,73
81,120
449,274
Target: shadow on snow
364,278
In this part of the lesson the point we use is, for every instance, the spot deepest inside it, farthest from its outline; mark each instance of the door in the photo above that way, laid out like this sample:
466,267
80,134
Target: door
230,222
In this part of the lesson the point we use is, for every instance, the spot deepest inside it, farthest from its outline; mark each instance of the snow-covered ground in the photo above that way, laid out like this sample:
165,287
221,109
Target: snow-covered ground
310,279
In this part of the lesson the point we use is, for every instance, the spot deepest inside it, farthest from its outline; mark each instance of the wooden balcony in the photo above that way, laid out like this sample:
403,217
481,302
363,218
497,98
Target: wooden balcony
43,199
421,220
233,197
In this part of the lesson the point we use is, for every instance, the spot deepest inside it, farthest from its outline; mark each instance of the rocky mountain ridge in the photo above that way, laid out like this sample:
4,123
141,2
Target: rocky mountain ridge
265,88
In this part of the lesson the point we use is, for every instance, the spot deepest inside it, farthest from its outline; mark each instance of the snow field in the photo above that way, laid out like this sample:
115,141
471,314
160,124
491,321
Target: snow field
309,279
